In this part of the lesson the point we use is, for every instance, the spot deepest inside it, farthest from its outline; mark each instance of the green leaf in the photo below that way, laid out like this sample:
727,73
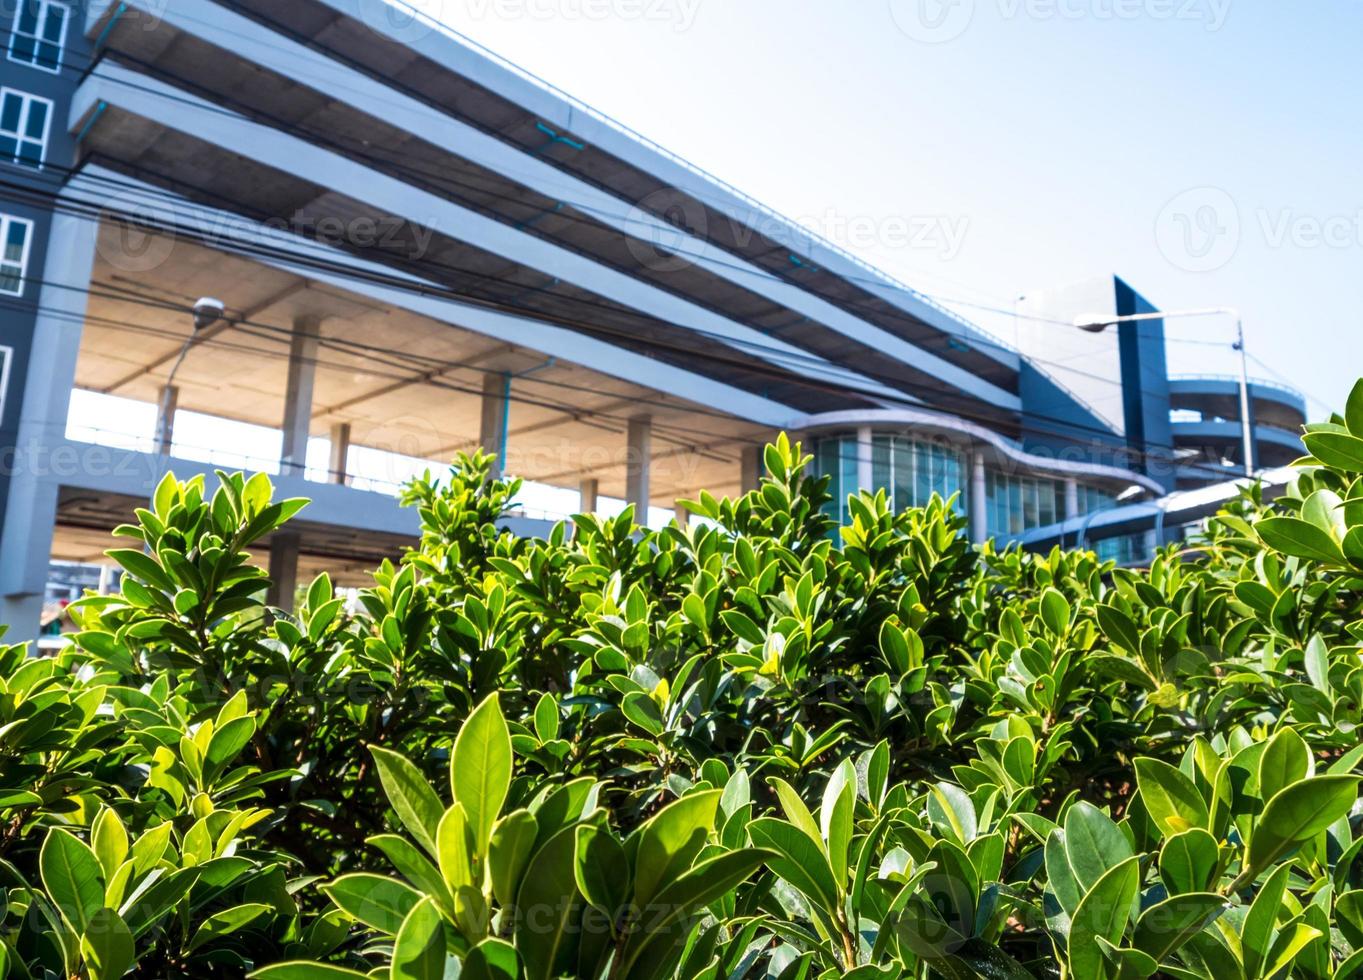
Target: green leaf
1102,913
414,866
226,922
669,842
107,946
697,888
1119,629
801,862
410,795
1296,537
1297,813
304,970
1170,797
1055,611
109,840
72,876
480,770
1260,924
492,959
601,870
547,907
419,949
1167,925
1093,844
230,739
382,903
1285,760
1188,862
1353,410
1343,452
513,840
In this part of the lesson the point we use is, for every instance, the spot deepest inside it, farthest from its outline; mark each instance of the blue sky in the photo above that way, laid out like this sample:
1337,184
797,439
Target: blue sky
1209,151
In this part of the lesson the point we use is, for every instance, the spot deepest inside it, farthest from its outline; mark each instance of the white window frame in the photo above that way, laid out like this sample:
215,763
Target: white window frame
22,135
44,7
7,356
6,220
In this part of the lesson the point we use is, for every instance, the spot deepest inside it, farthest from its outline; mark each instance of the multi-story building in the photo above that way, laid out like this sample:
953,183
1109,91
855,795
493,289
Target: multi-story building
422,249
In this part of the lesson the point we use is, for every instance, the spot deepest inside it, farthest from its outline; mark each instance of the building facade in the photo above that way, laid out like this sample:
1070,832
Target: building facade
421,249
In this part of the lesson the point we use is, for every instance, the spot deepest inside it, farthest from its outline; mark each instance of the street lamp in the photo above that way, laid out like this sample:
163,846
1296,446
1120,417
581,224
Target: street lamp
206,312
1098,322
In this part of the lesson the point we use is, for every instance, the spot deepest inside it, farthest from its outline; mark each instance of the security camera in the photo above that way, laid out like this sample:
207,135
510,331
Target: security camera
207,312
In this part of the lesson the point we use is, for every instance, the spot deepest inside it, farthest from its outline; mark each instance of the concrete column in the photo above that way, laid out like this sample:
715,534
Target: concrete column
1071,499
588,490
492,434
339,457
979,500
865,471
750,468
298,395
283,570
638,454
682,515
31,506
166,408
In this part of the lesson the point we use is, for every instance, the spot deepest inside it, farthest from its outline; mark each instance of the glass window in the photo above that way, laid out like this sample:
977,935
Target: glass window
24,123
1015,504
39,34
909,471
16,235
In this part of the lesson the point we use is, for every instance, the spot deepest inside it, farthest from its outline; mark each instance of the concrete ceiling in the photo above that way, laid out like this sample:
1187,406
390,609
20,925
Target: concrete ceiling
404,383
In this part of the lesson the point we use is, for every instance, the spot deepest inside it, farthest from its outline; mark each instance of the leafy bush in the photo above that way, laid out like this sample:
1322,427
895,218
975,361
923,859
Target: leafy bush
730,750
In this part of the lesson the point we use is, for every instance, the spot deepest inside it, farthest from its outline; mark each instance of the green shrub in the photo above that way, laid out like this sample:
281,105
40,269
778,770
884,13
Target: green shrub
729,750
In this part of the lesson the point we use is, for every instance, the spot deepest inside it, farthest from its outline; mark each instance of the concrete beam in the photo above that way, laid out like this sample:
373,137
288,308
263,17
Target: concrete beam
339,457
302,374
638,457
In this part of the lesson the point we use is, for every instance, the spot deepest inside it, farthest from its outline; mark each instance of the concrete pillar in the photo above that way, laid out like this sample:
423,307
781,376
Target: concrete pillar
283,570
638,454
492,434
865,470
750,468
1071,499
31,504
681,515
588,490
298,395
166,408
339,457
979,500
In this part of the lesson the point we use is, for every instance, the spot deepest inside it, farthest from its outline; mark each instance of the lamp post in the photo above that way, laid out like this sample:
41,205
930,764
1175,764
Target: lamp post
1098,322
1130,493
207,311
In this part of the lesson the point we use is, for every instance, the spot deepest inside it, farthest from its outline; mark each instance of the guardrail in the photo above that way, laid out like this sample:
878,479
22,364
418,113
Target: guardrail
1235,378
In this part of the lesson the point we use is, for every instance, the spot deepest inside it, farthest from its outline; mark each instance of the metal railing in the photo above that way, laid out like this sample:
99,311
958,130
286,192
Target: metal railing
1235,379
972,332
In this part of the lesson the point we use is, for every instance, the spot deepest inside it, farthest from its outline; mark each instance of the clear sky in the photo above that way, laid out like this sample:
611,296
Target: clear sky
1208,151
